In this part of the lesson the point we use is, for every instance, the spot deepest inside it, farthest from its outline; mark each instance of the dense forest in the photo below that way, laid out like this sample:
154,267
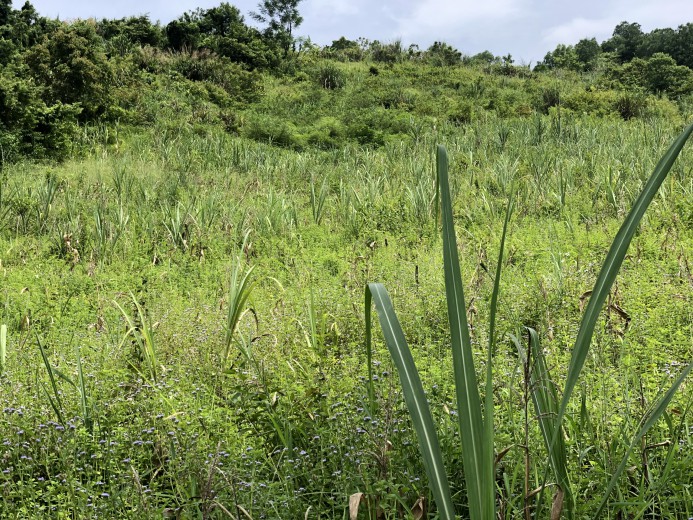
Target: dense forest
195,219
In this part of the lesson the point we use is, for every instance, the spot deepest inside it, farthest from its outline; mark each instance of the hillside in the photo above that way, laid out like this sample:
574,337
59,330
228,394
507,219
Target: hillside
188,227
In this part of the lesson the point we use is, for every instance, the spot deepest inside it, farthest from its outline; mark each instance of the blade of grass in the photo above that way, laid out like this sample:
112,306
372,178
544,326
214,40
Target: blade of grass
56,404
647,423
488,457
545,399
478,475
84,400
611,266
414,394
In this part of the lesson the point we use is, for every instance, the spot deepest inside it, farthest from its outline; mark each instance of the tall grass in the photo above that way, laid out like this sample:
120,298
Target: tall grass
476,428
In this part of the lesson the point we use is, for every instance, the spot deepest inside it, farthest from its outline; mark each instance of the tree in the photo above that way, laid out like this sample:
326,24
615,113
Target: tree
442,54
73,68
563,57
184,33
281,17
222,30
625,41
587,52
5,12
683,50
662,74
137,30
344,50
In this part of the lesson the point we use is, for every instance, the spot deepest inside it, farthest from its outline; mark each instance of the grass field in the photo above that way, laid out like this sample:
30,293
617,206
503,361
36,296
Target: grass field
185,330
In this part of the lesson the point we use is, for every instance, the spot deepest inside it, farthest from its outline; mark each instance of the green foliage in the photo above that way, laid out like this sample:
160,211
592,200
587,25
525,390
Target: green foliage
391,52
240,84
131,31
344,50
72,67
657,74
282,19
222,30
477,433
331,77
587,52
563,57
155,186
625,41
442,54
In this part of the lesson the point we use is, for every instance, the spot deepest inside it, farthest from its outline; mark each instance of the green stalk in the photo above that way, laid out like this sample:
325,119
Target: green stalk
545,399
488,455
54,400
84,400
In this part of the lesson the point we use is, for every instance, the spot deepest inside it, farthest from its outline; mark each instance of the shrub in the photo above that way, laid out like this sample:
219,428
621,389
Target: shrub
331,77
630,105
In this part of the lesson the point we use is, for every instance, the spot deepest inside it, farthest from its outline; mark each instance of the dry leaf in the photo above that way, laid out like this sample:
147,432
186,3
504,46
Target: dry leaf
557,506
419,509
501,454
583,299
354,503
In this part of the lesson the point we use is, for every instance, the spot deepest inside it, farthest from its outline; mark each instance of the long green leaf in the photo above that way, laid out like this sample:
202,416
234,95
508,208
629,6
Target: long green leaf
545,399
610,269
57,405
239,291
414,394
488,436
478,475
646,424
83,398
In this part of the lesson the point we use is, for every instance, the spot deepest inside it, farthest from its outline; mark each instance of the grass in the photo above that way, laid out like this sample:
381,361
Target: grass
476,433
273,413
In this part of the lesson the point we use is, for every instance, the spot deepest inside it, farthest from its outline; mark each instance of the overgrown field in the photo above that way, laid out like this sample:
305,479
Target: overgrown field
128,391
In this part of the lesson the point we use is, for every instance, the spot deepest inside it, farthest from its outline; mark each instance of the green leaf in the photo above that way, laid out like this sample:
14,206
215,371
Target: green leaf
414,395
545,399
3,346
56,404
478,473
610,269
645,425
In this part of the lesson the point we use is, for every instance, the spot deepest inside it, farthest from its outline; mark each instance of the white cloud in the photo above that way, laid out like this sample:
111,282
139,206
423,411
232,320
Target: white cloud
333,8
575,30
445,17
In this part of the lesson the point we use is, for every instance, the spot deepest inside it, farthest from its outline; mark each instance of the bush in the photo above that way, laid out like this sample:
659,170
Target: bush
240,84
331,77
462,113
630,105
273,131
328,132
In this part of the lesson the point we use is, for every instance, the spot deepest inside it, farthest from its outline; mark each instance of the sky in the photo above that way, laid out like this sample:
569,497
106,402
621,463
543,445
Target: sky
526,29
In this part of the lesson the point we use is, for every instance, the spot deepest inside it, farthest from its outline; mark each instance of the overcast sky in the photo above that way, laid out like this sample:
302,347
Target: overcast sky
527,29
